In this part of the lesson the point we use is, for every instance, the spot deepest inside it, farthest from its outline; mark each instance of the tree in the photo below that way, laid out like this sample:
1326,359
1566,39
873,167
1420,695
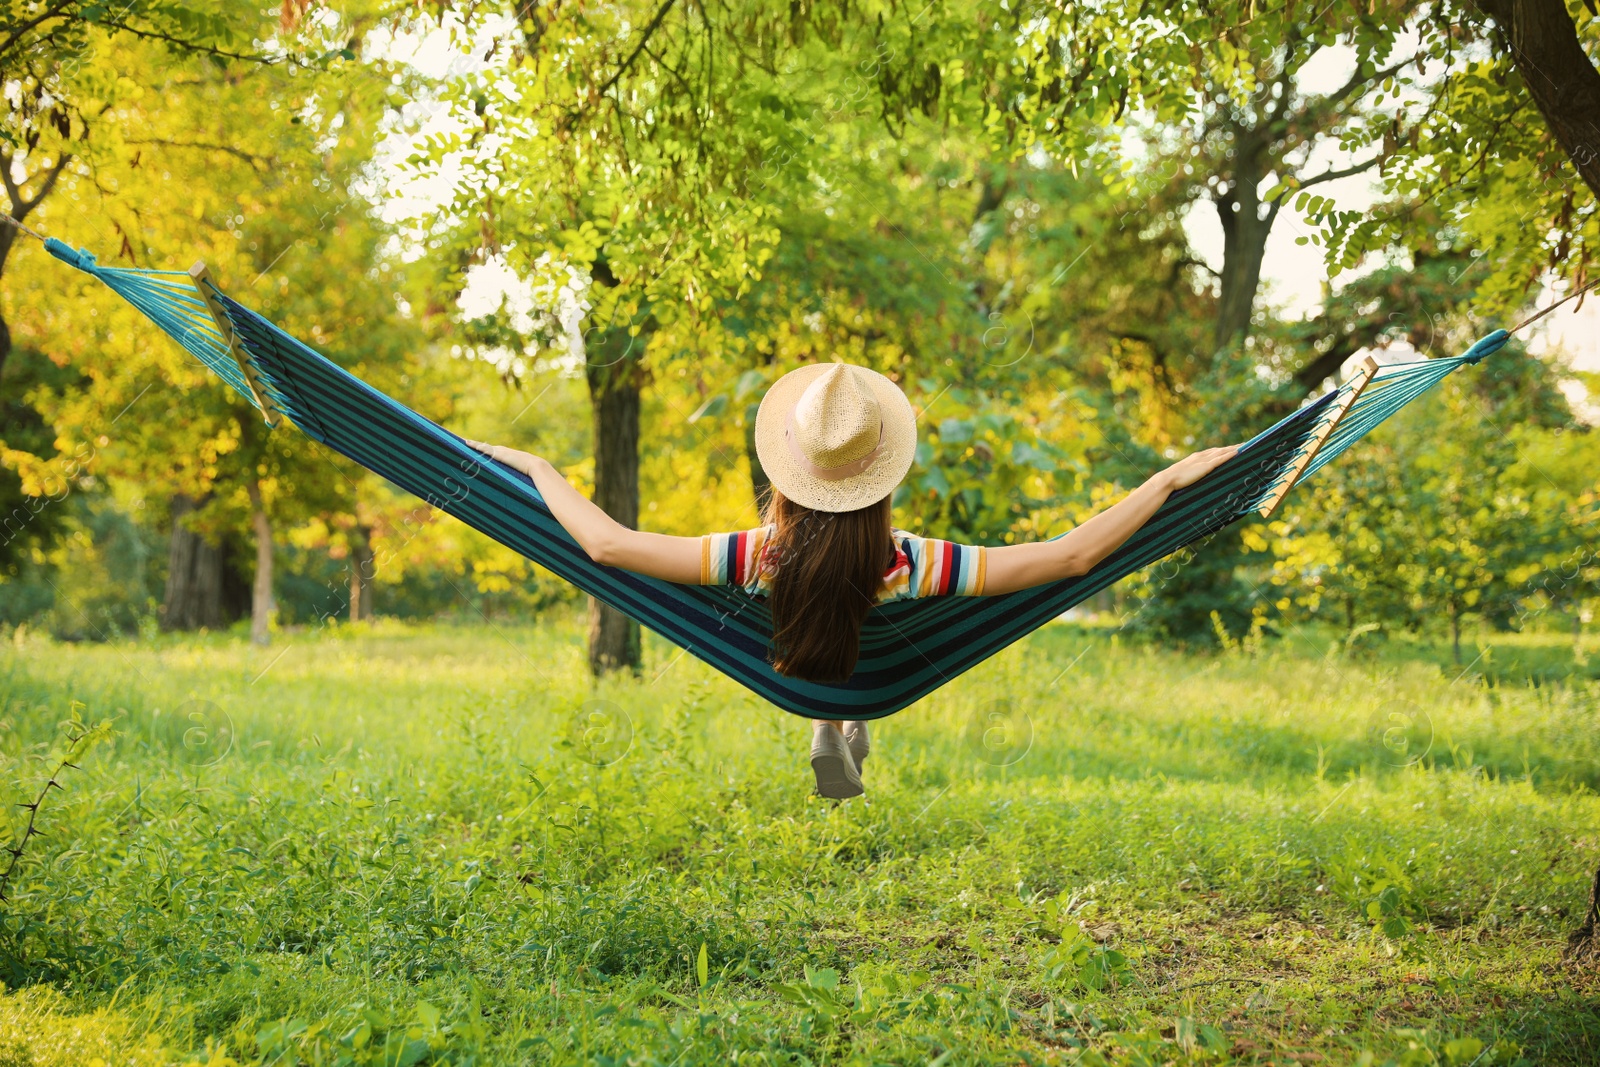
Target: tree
61,89
1541,38
643,147
615,372
683,204
1456,510
1271,135
30,515
269,203
1441,102
1498,134
52,60
1225,76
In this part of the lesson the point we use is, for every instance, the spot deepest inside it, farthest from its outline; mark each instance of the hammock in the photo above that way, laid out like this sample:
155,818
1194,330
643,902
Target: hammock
908,648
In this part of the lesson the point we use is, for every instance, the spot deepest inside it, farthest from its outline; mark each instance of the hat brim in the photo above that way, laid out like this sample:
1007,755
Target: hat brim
790,478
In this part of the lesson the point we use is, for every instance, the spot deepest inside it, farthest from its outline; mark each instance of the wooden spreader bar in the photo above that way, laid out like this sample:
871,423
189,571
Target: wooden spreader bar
1319,436
208,292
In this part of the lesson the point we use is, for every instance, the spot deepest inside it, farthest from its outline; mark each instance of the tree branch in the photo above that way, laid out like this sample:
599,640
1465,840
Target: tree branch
1557,73
1488,144
239,153
1190,261
13,194
192,46
670,69
21,30
644,39
1337,97
1334,175
21,205
48,184
1284,82
1327,363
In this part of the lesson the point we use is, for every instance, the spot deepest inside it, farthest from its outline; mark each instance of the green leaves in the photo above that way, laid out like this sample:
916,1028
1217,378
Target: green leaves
1423,1047
1075,960
1381,888
1219,852
76,739
880,998
1434,98
818,995
978,473
363,1036
1078,962
1467,509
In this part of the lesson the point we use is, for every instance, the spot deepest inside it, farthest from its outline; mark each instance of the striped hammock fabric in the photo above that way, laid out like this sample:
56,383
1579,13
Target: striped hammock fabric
908,648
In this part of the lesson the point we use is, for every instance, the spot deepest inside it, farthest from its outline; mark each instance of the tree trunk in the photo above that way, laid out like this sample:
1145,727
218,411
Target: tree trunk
613,371
363,569
1584,943
760,484
261,589
1565,87
7,235
1564,84
1245,229
194,593
19,207
1455,631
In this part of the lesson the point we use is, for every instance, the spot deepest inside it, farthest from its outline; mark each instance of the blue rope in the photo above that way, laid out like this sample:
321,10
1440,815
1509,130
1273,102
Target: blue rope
168,299
1486,346
1392,388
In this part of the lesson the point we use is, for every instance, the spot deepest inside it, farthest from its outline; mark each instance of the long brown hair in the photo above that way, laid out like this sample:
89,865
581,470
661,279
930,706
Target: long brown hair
829,571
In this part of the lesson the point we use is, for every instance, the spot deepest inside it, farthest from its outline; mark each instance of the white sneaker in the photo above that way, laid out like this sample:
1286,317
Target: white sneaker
835,768
855,735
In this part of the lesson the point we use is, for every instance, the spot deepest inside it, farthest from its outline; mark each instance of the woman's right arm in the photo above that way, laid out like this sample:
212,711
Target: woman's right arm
1013,567
607,541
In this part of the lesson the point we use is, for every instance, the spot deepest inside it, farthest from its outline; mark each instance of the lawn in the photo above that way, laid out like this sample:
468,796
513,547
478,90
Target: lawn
434,844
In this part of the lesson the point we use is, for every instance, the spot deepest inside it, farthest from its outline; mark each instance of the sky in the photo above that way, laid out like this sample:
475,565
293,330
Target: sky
1293,275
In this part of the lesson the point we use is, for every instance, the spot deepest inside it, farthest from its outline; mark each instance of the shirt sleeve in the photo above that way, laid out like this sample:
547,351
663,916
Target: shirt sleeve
926,566
734,558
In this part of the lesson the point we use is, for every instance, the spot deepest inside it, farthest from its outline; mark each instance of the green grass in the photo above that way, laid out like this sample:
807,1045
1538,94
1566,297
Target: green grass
403,850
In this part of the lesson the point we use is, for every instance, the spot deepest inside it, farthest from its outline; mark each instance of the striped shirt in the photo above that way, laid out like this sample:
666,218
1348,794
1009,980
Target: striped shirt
922,566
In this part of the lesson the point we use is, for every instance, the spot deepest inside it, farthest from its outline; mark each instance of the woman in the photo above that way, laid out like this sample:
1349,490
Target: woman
835,440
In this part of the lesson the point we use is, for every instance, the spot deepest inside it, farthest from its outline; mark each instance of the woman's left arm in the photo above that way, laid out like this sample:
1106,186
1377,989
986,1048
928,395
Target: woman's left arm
608,542
1014,567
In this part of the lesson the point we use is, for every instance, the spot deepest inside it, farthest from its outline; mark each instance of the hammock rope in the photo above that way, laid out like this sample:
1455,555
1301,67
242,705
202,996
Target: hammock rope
908,648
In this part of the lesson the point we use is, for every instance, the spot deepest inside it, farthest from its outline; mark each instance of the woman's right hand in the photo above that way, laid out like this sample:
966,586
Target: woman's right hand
525,462
495,452
1191,469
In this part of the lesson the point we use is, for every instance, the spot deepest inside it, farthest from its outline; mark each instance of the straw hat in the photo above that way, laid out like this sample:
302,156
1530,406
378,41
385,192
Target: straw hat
835,437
